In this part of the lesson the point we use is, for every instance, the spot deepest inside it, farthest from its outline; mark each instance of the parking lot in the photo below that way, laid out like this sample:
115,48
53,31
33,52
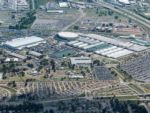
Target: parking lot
45,15
102,73
139,69
61,89
50,24
114,90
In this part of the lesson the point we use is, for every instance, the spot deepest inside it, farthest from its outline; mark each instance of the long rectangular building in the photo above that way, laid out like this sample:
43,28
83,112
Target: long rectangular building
80,60
130,46
20,43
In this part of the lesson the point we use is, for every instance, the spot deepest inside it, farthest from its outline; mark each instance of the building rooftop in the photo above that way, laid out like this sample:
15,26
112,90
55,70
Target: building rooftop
24,42
35,53
80,60
63,4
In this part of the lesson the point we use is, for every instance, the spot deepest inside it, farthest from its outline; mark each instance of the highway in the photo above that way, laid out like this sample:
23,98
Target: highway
129,16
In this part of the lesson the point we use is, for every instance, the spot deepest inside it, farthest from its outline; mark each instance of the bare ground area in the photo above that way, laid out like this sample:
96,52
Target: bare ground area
135,31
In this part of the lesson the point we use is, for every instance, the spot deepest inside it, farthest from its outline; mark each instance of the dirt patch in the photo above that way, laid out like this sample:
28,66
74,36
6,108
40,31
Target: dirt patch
135,31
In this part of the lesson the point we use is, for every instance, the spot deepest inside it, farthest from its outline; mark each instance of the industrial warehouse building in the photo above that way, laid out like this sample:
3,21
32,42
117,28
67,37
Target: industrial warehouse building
63,4
56,12
80,60
20,43
105,46
126,2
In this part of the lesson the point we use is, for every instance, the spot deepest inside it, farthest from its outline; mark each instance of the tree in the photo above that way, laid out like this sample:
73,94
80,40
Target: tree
116,17
22,73
51,111
13,16
14,85
76,27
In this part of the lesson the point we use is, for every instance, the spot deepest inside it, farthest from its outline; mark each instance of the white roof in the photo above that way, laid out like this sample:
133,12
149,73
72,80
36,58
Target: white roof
120,53
63,4
18,43
137,48
72,42
124,1
117,42
79,43
35,53
7,59
80,60
55,11
82,45
16,59
90,46
68,34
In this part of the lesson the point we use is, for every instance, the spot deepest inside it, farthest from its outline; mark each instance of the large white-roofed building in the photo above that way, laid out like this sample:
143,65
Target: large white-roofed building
68,35
124,2
80,60
55,11
63,4
20,43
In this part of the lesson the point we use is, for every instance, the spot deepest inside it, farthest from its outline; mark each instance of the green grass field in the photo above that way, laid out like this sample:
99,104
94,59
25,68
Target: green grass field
9,89
13,96
122,97
127,97
82,95
135,87
46,104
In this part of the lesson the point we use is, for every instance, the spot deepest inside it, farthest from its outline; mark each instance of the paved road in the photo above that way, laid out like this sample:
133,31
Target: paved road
82,14
117,10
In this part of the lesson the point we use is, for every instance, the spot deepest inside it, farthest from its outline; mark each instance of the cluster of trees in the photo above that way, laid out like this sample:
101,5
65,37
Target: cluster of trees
124,72
1,52
29,80
25,21
106,25
112,72
25,107
98,63
22,73
76,27
44,62
63,78
118,106
29,57
13,84
138,109
105,13
30,65
8,68
50,111
53,65
141,14
48,71
83,73
87,69
45,76
63,63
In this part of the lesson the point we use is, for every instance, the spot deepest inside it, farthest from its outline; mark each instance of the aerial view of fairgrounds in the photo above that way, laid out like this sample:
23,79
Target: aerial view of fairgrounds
74,56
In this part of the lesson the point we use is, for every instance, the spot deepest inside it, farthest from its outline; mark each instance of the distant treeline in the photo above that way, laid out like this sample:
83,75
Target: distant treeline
25,22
